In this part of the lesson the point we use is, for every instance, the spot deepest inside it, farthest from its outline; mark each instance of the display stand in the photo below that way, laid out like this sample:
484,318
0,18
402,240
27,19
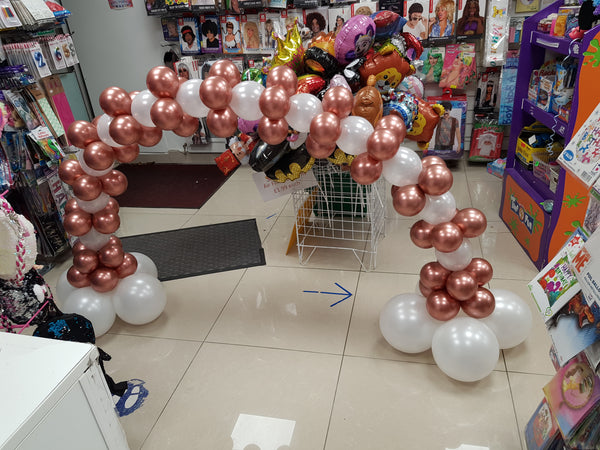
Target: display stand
541,234
340,214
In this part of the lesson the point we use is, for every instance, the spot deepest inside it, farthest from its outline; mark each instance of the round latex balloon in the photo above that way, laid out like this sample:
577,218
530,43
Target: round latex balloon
465,349
140,107
303,108
511,320
403,169
97,307
145,264
244,100
458,259
355,133
439,208
139,298
406,325
188,97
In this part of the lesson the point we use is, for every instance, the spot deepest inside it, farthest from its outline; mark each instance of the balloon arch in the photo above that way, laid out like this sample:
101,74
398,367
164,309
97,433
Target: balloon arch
104,281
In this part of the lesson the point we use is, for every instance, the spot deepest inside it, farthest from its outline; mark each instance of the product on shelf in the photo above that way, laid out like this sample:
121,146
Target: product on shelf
496,34
431,64
486,139
488,88
169,28
417,16
442,26
250,31
470,21
449,134
536,139
211,35
542,430
459,66
189,35
231,37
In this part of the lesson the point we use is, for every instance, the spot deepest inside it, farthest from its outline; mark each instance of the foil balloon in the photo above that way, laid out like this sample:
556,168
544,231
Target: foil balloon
387,23
368,102
290,51
425,122
254,74
354,39
352,73
412,85
319,58
389,69
291,166
264,156
404,105
310,84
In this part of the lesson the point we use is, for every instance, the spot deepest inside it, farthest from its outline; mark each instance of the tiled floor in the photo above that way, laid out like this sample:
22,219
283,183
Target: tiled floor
246,360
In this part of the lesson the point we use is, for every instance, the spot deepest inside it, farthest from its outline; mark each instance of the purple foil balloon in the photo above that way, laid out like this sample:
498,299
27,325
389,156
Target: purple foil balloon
247,126
339,80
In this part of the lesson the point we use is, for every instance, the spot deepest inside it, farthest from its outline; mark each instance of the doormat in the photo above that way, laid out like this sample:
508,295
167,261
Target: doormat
170,185
189,252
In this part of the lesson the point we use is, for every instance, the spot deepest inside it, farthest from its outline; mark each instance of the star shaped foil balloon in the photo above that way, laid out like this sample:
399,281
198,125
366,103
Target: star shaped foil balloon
290,51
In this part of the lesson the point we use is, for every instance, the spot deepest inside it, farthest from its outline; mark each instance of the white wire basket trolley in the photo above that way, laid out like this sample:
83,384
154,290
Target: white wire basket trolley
340,214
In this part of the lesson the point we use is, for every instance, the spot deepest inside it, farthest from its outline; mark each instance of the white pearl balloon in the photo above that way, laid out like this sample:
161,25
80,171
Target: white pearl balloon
244,100
355,133
438,208
93,206
63,289
102,127
465,349
303,108
145,264
140,107
403,169
87,169
406,325
139,298
458,259
511,320
188,97
94,240
97,307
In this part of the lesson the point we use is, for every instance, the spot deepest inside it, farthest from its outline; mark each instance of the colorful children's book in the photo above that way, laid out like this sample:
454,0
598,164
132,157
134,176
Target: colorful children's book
572,395
581,155
574,327
541,430
556,284
586,266
231,37
189,35
211,36
592,216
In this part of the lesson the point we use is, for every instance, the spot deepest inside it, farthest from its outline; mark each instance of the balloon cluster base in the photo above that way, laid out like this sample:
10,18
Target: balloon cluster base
137,299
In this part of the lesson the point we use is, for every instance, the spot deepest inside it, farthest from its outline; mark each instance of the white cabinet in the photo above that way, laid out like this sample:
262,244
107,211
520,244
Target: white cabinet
54,395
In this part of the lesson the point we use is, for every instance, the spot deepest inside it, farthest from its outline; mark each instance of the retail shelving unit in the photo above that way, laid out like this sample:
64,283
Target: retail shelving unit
541,234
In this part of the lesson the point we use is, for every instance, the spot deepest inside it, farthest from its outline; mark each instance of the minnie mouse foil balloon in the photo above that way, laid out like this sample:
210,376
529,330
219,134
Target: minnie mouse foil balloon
354,39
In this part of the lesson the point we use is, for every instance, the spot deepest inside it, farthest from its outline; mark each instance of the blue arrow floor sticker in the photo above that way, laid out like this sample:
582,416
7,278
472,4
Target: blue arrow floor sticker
347,294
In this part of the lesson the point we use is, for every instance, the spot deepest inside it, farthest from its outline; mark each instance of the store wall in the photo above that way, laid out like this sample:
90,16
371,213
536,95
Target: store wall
117,48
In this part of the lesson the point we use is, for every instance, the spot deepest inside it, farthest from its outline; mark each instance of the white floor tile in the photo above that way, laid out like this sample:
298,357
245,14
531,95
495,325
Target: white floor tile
249,398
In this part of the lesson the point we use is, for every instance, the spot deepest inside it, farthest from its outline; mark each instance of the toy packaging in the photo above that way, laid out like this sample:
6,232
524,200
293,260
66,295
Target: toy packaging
270,23
338,17
488,85
316,20
203,5
211,37
155,7
250,31
188,68
169,28
486,140
459,66
177,5
470,21
431,63
364,8
497,167
515,32
189,35
581,156
586,266
562,90
417,16
447,141
496,33
231,37
508,82
442,19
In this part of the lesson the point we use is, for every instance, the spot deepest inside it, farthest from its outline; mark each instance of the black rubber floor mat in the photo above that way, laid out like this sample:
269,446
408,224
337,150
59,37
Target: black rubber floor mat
189,252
